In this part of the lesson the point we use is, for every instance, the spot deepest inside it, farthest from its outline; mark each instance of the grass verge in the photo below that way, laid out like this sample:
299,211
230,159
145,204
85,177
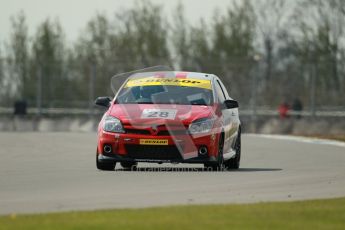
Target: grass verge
316,214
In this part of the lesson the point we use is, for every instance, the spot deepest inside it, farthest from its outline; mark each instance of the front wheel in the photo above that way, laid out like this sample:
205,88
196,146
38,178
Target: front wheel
219,165
105,166
234,163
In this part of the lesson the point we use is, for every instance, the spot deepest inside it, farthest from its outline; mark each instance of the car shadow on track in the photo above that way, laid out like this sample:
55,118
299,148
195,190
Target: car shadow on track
196,169
258,169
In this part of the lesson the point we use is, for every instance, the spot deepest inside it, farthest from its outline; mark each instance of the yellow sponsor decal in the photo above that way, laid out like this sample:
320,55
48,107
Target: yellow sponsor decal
188,82
153,142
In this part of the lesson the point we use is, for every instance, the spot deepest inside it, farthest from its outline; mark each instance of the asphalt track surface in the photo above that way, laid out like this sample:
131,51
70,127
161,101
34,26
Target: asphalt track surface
49,172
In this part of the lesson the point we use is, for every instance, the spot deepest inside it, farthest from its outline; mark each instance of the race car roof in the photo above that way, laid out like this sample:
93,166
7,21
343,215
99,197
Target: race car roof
175,74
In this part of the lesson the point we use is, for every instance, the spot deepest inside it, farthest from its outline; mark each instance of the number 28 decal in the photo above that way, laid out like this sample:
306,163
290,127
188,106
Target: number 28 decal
159,113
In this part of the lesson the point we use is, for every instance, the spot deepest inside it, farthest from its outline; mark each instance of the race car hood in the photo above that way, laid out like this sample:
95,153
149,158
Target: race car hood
132,114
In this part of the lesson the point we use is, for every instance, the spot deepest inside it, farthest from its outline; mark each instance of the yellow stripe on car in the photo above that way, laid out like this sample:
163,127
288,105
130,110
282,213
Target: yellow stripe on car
187,82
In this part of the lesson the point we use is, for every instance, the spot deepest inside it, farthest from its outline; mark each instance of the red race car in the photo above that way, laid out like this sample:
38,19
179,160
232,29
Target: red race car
169,117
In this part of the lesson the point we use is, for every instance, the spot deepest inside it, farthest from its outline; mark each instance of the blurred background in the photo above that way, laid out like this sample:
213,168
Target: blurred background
282,60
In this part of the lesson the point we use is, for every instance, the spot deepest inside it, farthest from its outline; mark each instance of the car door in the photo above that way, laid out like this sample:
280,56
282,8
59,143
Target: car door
225,115
231,121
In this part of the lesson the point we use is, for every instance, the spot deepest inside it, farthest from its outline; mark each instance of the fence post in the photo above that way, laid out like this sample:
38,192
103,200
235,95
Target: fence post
92,88
312,90
257,59
39,91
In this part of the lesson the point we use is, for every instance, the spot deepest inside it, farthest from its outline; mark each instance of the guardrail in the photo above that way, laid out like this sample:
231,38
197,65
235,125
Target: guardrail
246,112
53,111
294,113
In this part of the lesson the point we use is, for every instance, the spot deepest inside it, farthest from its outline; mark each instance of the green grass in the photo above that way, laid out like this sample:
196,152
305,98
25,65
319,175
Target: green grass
317,214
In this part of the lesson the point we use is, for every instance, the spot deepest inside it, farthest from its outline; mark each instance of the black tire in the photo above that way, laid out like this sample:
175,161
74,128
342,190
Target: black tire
129,165
105,166
219,165
234,163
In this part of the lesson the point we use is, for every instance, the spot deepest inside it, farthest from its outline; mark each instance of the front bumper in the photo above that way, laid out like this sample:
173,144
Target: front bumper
179,149
119,158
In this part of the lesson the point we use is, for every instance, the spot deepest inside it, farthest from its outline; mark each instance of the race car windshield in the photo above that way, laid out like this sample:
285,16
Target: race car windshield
164,94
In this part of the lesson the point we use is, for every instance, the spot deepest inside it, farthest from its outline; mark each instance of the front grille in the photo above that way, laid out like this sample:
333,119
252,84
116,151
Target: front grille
154,152
160,132
173,132
138,131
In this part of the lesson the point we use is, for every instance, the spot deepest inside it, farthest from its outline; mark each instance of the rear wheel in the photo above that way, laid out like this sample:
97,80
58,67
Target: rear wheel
234,163
128,165
105,166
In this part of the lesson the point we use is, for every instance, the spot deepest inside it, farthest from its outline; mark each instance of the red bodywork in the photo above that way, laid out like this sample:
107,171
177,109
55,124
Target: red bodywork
157,128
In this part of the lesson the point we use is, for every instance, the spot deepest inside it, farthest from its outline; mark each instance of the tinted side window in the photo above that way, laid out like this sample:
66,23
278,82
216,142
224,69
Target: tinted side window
220,92
224,90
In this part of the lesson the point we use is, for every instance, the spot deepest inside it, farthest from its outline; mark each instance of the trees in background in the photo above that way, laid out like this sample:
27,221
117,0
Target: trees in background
224,47
270,16
133,39
3,92
18,56
146,28
181,39
233,47
92,58
322,39
288,47
48,62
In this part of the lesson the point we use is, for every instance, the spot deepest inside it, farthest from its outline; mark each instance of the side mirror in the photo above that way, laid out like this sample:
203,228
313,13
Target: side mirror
103,101
231,104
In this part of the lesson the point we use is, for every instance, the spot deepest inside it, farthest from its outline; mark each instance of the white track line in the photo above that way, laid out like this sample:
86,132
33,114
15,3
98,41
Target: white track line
309,140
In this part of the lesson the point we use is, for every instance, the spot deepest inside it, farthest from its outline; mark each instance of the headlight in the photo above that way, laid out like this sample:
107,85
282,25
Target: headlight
201,126
112,124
